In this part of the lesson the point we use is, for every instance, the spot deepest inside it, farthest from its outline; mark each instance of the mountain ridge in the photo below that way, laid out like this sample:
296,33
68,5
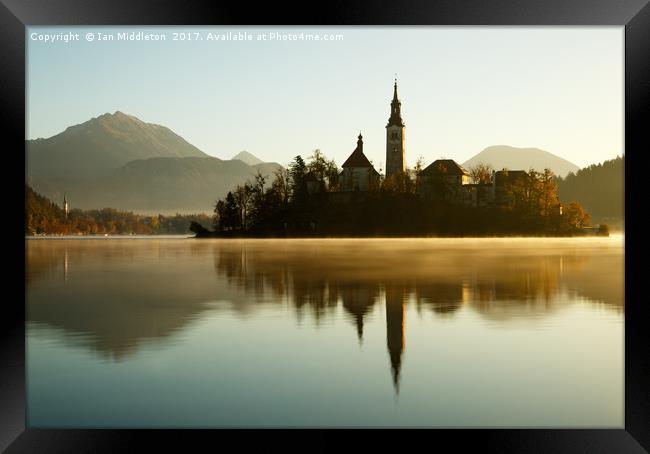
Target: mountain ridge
98,146
155,185
516,158
248,158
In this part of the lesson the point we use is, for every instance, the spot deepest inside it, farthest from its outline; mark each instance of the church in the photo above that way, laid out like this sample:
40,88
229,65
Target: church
358,172
444,179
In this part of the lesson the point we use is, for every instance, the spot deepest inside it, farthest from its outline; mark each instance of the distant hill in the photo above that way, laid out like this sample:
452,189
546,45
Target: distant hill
155,185
119,161
248,158
599,188
101,145
503,156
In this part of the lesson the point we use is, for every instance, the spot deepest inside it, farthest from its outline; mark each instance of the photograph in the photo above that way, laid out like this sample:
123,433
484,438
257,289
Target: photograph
325,227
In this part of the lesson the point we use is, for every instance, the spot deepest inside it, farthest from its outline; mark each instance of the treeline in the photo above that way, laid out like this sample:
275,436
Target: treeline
600,188
42,216
304,200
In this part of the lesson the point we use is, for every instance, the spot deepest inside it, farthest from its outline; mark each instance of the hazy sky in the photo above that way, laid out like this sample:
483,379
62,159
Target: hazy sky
462,89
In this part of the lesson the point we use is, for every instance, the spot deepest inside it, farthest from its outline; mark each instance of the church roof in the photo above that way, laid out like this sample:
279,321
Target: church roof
444,167
357,158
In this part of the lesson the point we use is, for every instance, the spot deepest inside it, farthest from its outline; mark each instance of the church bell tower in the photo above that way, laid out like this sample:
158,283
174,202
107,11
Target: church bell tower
395,155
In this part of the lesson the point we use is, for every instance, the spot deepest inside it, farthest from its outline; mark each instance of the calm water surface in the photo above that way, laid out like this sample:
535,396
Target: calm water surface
291,333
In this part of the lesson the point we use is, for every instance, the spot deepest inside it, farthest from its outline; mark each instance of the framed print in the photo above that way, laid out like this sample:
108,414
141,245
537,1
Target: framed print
411,216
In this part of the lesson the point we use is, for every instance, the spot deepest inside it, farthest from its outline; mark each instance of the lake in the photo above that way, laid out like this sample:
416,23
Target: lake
180,332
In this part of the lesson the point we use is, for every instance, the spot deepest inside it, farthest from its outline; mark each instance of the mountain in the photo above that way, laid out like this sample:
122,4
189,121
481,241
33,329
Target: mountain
155,185
599,188
119,161
248,158
103,144
504,156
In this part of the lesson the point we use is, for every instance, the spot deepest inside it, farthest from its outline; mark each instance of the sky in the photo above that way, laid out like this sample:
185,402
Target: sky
462,89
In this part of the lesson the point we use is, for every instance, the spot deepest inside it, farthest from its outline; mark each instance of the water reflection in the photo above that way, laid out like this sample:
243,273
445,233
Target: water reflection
395,299
112,296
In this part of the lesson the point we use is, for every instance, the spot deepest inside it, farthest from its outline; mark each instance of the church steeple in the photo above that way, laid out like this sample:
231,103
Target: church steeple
395,109
360,142
395,155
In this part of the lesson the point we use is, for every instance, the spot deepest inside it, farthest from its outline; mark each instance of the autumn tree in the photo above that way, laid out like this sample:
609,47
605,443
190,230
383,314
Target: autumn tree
399,183
546,194
575,216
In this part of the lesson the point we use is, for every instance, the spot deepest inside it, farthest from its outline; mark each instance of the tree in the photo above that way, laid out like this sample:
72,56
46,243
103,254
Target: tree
298,185
599,188
154,223
242,197
324,170
258,200
547,193
226,214
219,215
317,165
399,183
232,213
575,216
332,175
419,165
481,173
281,185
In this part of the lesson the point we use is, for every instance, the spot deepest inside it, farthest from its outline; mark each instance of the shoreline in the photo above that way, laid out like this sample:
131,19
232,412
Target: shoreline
214,235
314,237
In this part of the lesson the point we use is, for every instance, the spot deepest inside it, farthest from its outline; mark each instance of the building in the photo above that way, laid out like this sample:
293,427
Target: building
447,180
443,179
358,172
478,194
395,151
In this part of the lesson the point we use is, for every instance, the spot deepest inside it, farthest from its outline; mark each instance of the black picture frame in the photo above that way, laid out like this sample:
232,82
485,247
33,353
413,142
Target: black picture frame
634,15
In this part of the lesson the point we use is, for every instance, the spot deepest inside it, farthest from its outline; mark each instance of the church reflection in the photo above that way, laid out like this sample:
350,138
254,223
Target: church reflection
358,300
498,289
113,299
395,299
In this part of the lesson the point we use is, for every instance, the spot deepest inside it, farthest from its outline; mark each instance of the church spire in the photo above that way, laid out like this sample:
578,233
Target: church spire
395,108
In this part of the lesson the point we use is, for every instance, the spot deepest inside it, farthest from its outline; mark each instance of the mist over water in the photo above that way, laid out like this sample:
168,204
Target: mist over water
502,332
